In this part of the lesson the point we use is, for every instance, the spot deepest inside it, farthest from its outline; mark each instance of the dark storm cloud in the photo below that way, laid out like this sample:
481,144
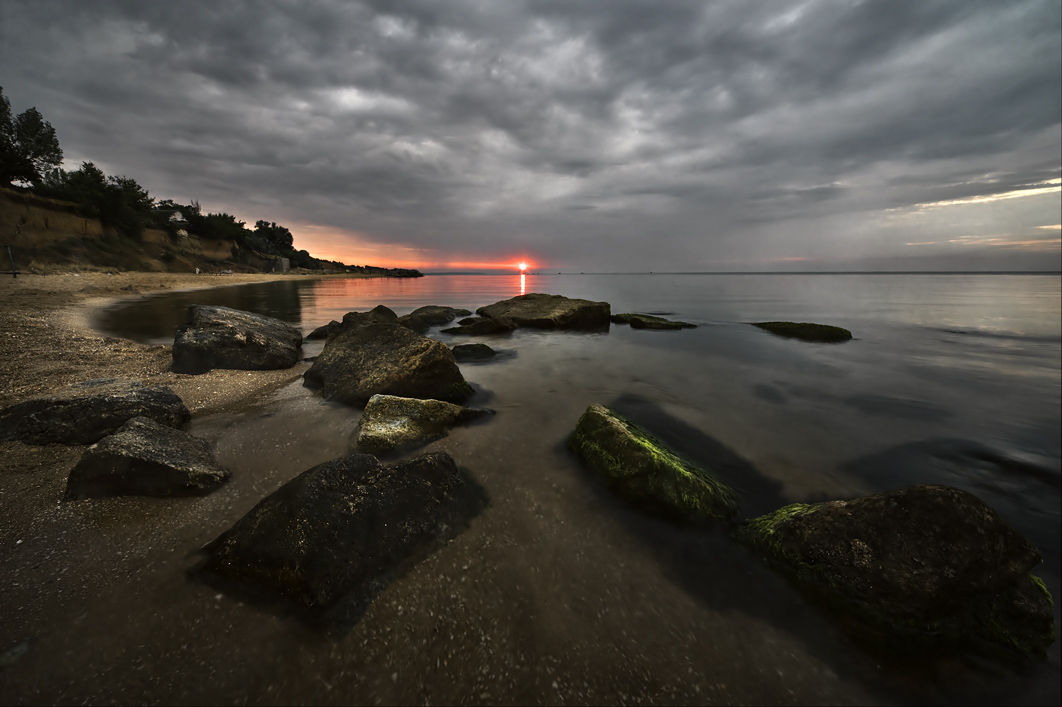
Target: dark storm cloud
568,128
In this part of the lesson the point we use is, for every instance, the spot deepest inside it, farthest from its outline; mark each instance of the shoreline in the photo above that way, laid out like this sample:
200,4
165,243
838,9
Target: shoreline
49,339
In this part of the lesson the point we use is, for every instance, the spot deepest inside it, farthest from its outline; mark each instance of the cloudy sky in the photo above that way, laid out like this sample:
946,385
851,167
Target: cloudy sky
586,136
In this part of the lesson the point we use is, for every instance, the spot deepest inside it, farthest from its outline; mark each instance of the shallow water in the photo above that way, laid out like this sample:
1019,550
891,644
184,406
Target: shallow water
951,379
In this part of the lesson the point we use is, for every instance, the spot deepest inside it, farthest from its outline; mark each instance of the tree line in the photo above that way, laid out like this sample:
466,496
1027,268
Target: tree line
30,155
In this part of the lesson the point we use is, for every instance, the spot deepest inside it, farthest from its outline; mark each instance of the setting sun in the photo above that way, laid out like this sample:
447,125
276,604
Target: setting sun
522,266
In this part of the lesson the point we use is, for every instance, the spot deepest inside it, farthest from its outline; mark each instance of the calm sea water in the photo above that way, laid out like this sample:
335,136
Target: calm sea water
951,379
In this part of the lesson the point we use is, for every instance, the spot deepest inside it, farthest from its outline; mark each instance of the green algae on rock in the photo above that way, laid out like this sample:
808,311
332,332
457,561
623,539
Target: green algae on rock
648,321
390,423
645,472
806,331
932,561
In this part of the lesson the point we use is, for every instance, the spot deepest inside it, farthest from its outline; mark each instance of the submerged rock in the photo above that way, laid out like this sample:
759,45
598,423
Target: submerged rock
324,331
337,528
807,331
648,321
423,318
473,352
357,364
645,472
390,423
219,337
542,311
87,412
932,560
145,458
480,326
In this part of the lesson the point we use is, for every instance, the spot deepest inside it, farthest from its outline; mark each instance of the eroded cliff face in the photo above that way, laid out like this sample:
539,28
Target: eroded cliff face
30,221
47,232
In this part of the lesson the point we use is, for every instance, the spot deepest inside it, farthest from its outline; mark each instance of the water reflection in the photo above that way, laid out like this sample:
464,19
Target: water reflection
523,283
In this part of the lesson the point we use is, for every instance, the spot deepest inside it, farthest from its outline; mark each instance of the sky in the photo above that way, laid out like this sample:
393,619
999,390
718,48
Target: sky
576,136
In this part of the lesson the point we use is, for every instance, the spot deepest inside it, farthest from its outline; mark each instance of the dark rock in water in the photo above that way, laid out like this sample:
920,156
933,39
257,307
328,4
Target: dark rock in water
648,321
86,412
436,315
337,528
542,311
645,472
415,323
472,352
806,331
357,364
325,331
474,326
145,458
377,315
929,560
219,337
390,423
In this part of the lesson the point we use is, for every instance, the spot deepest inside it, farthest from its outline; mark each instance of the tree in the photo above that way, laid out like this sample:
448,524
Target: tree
278,240
29,148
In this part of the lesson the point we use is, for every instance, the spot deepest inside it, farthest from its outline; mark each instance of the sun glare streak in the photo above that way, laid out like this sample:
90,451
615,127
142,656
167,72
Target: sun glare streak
1043,188
523,283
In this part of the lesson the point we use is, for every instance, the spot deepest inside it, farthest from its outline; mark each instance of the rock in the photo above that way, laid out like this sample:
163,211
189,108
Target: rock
415,323
645,472
474,326
472,352
932,560
86,412
219,337
357,364
542,311
390,423
436,315
806,331
339,527
145,458
648,321
325,331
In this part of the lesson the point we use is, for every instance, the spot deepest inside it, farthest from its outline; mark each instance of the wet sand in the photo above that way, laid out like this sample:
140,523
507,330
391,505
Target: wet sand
556,593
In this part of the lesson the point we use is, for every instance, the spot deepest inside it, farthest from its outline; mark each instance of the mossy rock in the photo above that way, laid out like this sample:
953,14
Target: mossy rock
648,321
472,352
932,562
645,472
807,331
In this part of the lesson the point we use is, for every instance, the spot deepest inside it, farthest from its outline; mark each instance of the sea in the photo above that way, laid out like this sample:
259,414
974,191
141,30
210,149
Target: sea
950,378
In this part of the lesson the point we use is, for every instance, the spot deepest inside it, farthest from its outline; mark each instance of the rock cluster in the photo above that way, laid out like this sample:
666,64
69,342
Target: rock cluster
86,412
220,337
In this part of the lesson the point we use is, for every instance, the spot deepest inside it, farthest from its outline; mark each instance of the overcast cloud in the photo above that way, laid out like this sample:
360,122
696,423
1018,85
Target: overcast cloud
595,136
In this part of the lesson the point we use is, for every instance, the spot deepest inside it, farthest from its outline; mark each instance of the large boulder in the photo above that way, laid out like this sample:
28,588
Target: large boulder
219,337
86,412
542,311
807,331
339,527
145,458
390,423
932,560
359,363
642,470
355,320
